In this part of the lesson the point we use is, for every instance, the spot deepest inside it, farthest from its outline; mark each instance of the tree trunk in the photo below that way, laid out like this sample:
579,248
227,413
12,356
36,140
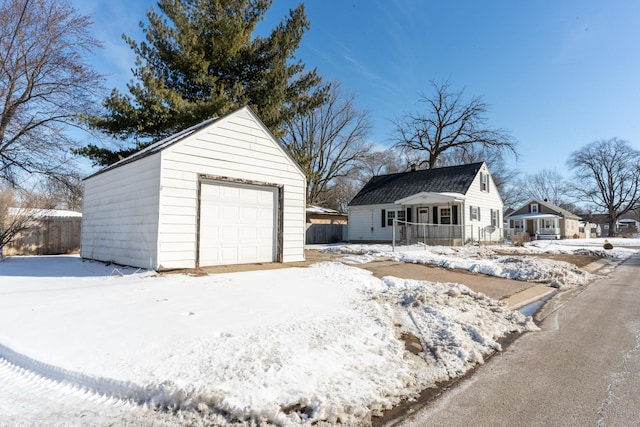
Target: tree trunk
612,225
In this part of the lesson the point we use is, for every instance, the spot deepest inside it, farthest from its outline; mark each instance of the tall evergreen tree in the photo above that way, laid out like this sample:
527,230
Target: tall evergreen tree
200,60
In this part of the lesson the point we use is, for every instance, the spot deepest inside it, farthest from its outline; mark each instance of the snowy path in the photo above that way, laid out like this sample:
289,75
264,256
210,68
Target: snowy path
27,398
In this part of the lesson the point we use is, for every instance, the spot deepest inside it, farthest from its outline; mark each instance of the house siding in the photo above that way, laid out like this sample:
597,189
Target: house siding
237,147
120,214
485,201
365,223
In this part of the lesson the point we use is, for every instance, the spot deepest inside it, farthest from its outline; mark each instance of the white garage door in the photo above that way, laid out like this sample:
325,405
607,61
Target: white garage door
237,223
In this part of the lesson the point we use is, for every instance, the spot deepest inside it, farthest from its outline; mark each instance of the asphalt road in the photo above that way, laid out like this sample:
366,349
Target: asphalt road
581,369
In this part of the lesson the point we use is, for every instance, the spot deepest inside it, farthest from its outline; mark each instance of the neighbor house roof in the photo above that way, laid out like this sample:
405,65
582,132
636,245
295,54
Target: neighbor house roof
555,208
385,189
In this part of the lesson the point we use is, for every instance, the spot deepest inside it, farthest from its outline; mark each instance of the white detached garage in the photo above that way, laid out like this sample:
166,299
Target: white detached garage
221,192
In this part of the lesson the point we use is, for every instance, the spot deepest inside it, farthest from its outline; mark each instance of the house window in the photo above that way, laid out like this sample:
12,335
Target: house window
484,182
534,208
400,215
474,213
495,217
445,215
391,215
518,224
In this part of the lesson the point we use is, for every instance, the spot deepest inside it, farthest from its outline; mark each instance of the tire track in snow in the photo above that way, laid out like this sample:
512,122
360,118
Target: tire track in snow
33,393
29,399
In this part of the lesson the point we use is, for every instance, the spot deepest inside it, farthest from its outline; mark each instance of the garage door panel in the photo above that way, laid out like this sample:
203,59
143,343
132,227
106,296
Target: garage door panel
228,234
248,234
238,223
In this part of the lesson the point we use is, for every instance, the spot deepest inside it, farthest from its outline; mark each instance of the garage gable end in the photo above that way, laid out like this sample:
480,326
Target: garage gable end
230,194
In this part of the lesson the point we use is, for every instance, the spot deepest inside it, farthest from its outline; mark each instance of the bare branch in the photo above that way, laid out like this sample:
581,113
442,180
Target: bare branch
328,142
448,124
45,83
607,175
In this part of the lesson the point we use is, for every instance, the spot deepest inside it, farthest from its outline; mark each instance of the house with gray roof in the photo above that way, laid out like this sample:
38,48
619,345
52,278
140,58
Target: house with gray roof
544,220
448,205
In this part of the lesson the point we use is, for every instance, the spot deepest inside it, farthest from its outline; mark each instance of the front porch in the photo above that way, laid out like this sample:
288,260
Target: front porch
538,226
431,219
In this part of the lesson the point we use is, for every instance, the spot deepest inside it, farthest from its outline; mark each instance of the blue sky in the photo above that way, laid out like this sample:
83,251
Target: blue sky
557,74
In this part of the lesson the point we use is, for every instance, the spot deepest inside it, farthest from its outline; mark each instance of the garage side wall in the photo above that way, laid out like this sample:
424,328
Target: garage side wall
236,147
120,214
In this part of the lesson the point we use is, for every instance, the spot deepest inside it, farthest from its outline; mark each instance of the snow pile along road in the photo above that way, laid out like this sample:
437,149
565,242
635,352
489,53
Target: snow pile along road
296,346
486,260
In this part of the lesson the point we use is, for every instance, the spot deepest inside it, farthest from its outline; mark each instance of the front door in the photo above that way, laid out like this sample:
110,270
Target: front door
423,218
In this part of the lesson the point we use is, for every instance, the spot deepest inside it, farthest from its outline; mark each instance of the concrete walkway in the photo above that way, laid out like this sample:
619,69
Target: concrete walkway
514,293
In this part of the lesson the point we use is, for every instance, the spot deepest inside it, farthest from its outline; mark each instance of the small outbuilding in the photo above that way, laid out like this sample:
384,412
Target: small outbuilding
222,192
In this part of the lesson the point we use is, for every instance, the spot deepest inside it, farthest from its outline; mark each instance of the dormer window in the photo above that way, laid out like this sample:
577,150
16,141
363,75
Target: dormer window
534,208
484,182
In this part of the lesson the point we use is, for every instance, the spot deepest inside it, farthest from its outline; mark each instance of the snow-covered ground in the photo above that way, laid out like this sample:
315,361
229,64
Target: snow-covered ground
82,343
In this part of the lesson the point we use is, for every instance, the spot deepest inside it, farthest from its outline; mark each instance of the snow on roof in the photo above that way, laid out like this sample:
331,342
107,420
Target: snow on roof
321,210
533,216
430,197
62,213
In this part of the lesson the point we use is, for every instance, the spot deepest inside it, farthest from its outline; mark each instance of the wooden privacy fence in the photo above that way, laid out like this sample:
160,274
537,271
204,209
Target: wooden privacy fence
326,233
47,236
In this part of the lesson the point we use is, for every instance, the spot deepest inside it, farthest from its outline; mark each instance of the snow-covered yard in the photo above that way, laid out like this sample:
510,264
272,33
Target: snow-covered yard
290,347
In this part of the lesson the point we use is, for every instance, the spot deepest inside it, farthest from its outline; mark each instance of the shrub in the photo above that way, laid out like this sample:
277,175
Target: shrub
521,238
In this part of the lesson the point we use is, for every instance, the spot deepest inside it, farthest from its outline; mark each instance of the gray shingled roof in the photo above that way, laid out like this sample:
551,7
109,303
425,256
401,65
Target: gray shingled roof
549,206
158,146
563,211
389,188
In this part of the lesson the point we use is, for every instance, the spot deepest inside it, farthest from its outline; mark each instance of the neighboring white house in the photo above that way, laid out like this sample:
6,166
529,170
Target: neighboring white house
449,205
544,220
221,192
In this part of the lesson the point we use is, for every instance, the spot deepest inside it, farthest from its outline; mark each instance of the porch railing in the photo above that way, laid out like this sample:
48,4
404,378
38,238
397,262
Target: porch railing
411,233
548,231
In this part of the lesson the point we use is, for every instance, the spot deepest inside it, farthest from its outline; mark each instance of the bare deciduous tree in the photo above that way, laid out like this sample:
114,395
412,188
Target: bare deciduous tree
61,191
45,84
376,163
549,185
340,193
505,179
17,214
607,175
328,142
450,124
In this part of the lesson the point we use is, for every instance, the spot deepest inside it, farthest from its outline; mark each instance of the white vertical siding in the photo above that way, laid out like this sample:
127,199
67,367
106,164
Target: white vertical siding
236,147
365,223
120,214
485,200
